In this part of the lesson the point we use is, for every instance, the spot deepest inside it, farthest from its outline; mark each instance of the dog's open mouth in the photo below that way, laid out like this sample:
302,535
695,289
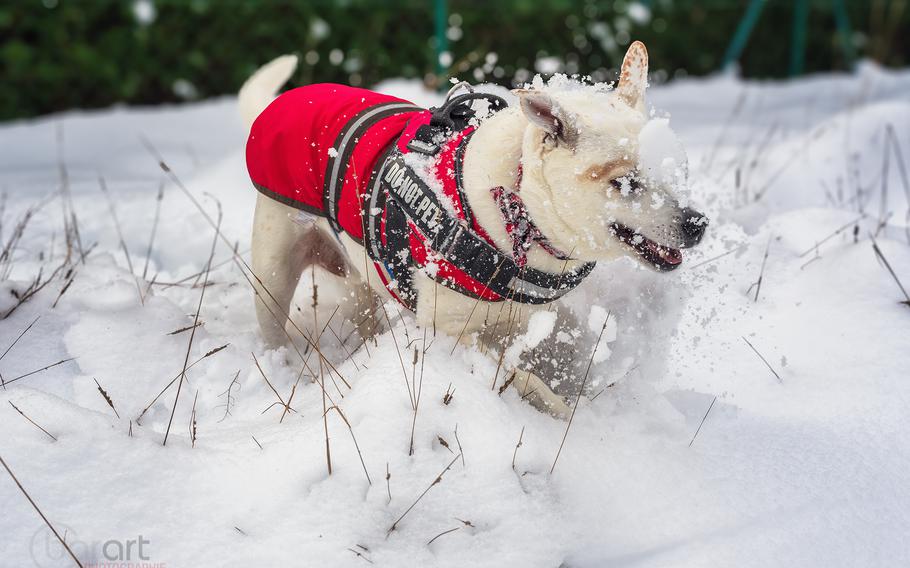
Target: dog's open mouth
660,257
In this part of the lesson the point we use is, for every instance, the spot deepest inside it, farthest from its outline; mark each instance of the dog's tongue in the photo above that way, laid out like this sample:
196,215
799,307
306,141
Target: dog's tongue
668,255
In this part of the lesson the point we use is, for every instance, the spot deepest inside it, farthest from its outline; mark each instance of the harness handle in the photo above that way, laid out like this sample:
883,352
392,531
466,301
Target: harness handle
456,111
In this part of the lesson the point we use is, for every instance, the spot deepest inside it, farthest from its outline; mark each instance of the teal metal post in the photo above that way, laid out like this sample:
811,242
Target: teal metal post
441,17
843,30
743,31
798,39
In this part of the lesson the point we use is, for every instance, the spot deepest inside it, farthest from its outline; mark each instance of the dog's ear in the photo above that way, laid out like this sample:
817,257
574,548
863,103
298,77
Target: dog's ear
545,113
633,78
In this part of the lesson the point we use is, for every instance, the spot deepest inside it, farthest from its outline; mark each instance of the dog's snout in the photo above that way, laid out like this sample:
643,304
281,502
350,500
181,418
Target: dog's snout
693,225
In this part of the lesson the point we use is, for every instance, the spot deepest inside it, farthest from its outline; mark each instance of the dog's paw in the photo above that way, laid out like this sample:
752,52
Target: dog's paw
533,389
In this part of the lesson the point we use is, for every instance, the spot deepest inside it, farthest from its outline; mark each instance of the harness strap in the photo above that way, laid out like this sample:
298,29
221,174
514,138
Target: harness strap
463,248
343,148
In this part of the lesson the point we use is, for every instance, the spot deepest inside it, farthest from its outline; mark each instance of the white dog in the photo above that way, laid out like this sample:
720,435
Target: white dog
544,188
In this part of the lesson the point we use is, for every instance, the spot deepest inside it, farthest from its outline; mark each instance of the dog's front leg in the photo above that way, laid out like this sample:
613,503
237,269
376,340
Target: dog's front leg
492,327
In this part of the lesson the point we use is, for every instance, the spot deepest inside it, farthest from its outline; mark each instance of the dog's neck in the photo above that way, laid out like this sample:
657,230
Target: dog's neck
493,159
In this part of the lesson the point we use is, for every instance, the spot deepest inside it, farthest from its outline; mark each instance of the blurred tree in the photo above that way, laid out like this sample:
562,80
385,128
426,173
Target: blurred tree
59,54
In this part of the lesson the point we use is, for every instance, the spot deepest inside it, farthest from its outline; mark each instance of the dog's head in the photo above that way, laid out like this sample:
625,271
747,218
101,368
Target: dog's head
583,153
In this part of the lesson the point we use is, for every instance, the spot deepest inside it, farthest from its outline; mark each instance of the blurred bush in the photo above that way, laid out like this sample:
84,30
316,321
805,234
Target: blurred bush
59,54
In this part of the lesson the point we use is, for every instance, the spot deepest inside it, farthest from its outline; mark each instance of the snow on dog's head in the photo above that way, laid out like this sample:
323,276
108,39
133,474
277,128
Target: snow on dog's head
611,180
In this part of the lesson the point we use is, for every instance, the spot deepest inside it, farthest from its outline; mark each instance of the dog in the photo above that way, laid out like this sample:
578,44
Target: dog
545,187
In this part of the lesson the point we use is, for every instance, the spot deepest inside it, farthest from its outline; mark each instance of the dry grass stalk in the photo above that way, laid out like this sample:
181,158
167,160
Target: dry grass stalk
187,328
705,417
71,276
189,347
474,307
765,361
193,422
443,533
174,380
290,398
512,323
35,286
811,137
388,485
708,159
325,407
148,252
249,275
106,397
508,382
126,251
43,518
449,394
881,257
15,341
359,554
442,442
35,424
183,281
518,445
245,270
257,441
761,274
581,389
45,368
404,373
356,445
272,387
460,449
70,223
839,230
718,257
417,388
436,481
614,383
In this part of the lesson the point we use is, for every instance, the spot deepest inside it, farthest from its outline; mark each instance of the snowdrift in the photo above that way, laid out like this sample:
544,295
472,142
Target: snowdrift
732,423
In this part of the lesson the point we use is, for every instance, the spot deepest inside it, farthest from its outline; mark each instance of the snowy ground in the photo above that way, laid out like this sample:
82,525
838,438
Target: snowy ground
810,469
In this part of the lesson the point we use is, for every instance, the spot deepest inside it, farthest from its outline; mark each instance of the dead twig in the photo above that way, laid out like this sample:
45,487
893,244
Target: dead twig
106,397
176,377
705,417
436,481
126,252
518,445
43,518
189,347
268,382
45,368
35,424
193,422
148,252
761,274
765,361
356,445
443,533
881,257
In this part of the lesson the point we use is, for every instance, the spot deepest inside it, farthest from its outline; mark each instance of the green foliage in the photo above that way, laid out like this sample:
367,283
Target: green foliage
63,54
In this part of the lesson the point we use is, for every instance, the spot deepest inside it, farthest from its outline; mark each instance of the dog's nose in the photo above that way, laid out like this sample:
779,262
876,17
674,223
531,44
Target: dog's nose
693,226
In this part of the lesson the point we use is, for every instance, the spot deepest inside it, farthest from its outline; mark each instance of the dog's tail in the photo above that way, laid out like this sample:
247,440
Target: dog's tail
263,85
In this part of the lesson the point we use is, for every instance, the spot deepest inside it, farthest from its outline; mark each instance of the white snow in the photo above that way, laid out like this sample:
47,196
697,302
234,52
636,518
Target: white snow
806,471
